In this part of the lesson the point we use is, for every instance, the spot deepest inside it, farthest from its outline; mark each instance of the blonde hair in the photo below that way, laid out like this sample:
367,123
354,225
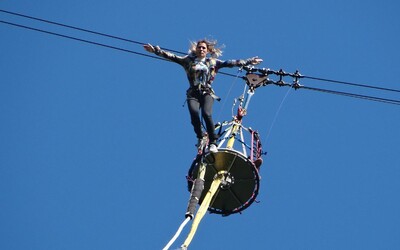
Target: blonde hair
211,47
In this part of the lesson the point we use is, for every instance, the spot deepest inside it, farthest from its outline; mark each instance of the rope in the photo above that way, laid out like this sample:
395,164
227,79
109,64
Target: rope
276,114
229,91
177,233
202,210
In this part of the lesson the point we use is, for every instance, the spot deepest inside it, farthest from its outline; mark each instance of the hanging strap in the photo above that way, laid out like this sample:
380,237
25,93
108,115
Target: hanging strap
177,233
202,210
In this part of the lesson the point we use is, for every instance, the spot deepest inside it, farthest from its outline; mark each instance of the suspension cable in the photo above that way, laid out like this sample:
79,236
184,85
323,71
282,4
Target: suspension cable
366,97
280,73
81,29
179,52
351,84
263,72
81,40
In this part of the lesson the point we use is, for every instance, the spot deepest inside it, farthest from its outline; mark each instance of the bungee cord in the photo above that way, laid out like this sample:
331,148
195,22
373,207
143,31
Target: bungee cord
178,232
202,211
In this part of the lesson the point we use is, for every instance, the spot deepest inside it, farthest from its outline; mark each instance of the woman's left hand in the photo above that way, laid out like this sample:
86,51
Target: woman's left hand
255,60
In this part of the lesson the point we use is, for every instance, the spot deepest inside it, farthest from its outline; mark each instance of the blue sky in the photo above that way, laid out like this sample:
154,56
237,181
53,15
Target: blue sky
95,143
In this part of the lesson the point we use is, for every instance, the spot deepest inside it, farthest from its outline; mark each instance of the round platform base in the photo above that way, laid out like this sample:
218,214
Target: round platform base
240,180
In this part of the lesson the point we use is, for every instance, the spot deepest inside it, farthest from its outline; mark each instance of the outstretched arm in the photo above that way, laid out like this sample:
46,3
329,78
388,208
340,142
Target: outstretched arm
167,55
238,63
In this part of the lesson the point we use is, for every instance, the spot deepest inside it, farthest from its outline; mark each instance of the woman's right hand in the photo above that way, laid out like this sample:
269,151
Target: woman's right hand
148,47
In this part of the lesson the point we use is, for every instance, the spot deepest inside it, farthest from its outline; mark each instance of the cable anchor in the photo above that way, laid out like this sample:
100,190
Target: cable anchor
281,74
296,78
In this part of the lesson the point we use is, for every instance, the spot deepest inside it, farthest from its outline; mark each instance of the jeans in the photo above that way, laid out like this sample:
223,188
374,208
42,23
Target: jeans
202,102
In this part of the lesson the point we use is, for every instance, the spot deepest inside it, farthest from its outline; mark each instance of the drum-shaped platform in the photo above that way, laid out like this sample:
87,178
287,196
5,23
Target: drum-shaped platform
240,181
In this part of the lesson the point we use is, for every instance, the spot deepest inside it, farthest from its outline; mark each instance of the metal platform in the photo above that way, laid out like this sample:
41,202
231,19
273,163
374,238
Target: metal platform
240,180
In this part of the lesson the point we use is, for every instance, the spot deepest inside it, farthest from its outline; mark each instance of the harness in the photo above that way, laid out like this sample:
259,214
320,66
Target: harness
205,75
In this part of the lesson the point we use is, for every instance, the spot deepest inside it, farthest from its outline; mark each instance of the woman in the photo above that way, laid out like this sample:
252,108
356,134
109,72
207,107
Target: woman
201,70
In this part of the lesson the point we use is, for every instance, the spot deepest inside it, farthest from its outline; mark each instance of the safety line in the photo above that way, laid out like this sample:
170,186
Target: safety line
276,114
227,94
